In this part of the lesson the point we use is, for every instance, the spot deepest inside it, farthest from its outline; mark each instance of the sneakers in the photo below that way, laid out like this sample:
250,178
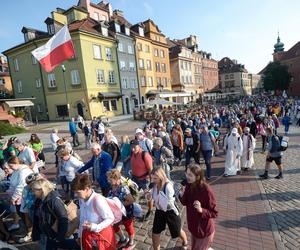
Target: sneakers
25,239
264,176
13,227
122,243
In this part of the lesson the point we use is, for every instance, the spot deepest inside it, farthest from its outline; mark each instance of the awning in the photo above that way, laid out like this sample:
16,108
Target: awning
21,103
109,95
165,94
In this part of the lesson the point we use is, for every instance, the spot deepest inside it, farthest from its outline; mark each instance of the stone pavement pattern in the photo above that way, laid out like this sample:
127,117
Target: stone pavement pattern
244,220
283,195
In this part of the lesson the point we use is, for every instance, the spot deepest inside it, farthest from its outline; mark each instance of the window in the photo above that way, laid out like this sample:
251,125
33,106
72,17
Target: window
150,81
75,77
62,110
127,31
122,65
191,79
51,29
104,31
51,81
157,67
118,29
106,106
156,52
139,47
16,65
158,81
111,77
96,16
131,66
226,77
108,54
113,104
2,81
134,84
147,48
100,76
182,79
38,83
143,81
165,82
189,66
181,64
120,47
130,50
149,66
97,51
186,79
124,83
141,63
163,68
231,76
33,59
162,54
20,87
141,31
70,17
185,65
39,108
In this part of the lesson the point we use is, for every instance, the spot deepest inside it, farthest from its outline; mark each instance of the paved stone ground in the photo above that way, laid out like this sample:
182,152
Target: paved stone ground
250,211
283,196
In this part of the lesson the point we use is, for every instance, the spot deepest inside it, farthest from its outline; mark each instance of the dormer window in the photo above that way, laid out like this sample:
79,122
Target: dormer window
51,29
141,31
29,36
70,17
104,31
117,27
127,31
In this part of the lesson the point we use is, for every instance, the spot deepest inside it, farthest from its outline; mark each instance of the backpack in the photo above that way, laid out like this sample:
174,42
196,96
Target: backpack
116,207
176,198
133,188
86,131
283,144
73,218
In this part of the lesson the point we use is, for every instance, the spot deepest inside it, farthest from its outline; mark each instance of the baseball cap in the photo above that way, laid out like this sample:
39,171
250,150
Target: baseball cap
139,131
134,142
188,130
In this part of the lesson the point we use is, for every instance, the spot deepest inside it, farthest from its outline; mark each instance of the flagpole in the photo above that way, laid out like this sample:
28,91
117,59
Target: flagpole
65,86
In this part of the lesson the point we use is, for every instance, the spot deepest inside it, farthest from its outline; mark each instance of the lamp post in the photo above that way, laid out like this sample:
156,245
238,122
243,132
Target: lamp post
65,87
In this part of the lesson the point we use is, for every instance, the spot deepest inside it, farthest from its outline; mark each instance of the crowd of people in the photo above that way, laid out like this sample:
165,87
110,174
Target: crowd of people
96,203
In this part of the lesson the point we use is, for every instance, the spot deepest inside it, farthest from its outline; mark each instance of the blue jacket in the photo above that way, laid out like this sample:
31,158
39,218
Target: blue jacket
72,128
286,120
105,164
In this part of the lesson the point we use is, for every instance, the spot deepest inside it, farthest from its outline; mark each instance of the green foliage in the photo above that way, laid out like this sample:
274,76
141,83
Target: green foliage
20,114
8,129
276,77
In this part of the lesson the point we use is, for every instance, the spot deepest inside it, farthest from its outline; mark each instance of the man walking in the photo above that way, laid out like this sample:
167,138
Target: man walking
274,154
73,132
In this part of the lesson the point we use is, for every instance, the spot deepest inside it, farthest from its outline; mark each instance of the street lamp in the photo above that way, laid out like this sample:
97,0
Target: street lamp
65,87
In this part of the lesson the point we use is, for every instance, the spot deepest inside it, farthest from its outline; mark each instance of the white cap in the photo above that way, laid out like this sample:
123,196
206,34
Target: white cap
234,131
139,131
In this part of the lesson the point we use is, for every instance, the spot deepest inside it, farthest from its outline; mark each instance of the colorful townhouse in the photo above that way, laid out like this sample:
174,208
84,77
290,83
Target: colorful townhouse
127,62
91,77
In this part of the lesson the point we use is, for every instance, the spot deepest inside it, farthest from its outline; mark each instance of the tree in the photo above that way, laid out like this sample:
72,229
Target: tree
276,76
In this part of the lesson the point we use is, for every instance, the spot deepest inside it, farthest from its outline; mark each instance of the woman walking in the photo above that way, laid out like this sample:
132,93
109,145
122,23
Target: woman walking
166,212
201,209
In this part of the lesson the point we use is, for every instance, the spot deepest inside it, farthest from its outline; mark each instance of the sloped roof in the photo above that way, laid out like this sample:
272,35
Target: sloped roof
292,52
226,65
121,20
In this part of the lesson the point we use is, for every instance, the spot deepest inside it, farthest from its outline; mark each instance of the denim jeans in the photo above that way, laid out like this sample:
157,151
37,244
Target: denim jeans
207,155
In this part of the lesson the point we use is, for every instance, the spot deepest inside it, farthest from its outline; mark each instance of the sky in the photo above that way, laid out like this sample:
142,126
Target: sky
243,30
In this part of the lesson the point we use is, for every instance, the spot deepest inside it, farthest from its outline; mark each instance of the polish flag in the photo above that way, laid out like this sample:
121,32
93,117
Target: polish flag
58,49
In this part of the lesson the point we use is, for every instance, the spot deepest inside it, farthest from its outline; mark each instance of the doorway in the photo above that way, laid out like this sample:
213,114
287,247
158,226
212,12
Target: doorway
80,109
127,105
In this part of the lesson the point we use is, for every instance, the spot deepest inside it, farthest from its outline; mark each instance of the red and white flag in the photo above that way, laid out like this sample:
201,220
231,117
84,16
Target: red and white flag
58,49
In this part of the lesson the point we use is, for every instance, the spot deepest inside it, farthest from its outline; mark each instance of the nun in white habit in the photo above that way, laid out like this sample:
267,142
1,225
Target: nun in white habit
233,145
247,160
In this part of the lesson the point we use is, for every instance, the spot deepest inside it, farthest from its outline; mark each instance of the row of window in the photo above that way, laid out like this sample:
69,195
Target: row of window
210,65
123,66
98,52
231,76
159,67
110,105
157,53
126,84
185,65
160,81
186,79
210,73
122,48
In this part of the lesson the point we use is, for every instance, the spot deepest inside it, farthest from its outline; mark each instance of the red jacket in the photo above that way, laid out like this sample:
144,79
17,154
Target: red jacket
200,225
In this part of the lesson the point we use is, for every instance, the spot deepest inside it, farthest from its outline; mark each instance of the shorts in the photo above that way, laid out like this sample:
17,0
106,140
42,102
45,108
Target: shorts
161,219
142,184
277,160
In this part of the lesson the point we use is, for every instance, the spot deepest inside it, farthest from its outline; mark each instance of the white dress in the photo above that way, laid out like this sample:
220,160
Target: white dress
234,150
249,143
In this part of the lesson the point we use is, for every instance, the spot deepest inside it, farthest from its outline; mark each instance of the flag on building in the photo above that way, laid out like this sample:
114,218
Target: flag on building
58,49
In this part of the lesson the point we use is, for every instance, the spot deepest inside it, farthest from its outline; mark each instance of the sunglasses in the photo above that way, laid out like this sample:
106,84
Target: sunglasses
32,177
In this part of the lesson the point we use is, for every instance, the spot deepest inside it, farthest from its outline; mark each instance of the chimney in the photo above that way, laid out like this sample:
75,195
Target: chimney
119,13
84,4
